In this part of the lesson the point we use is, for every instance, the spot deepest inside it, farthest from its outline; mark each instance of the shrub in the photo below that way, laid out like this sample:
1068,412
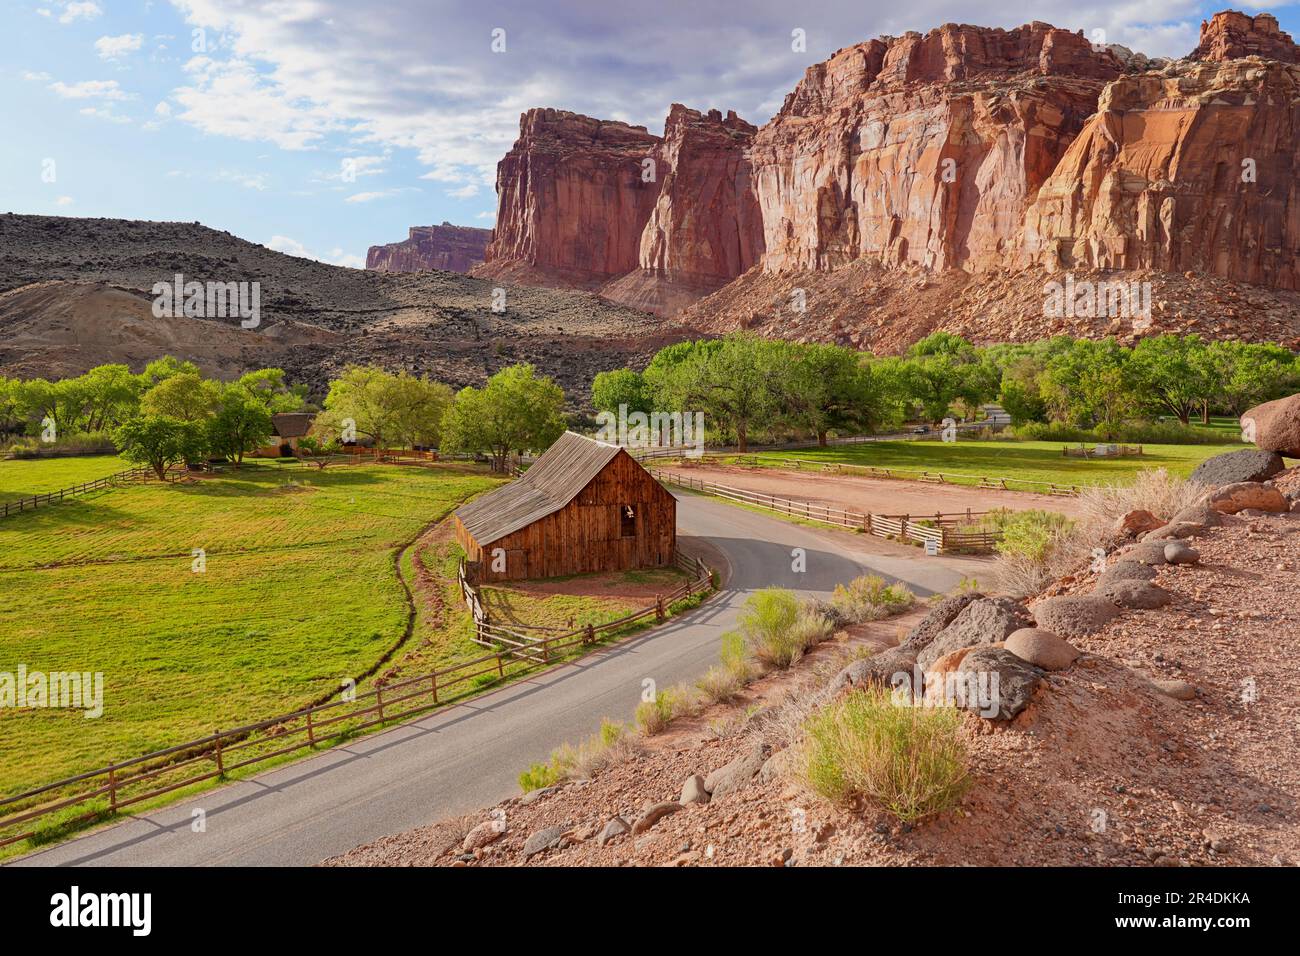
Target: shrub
735,655
1154,490
654,716
1036,548
608,745
1137,433
868,598
720,684
910,761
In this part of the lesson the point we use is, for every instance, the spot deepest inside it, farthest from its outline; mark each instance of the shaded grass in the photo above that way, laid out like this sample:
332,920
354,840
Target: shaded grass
23,477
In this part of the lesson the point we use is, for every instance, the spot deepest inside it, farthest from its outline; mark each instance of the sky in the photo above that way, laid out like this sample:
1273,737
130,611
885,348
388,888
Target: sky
322,127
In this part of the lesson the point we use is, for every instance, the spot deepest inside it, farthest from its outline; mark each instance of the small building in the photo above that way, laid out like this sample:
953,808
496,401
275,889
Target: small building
583,506
286,429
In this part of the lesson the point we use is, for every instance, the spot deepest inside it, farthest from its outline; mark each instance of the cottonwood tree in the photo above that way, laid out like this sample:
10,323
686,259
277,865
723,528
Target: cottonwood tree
396,410
1172,373
242,423
517,410
828,387
736,384
160,442
184,396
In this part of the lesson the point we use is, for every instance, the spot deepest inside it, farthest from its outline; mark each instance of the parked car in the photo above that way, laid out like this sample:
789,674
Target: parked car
921,430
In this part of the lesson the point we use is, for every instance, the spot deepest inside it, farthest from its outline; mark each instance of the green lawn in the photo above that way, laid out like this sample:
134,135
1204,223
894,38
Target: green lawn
23,477
299,593
1028,460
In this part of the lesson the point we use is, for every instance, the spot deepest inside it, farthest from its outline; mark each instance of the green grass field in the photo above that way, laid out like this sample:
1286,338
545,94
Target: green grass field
21,478
299,593
1026,460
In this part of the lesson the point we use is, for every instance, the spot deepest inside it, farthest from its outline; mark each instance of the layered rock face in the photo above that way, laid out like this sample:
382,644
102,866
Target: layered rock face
1192,169
922,149
572,199
1231,35
447,248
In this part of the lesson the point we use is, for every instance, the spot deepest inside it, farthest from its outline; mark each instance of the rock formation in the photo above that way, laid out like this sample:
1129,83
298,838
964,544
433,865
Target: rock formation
966,150
447,248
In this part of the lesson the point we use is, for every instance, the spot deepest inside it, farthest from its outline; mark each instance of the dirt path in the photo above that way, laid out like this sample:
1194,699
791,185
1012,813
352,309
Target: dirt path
877,495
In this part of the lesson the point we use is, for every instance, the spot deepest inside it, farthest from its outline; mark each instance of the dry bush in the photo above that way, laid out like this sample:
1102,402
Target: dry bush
720,684
1154,490
612,744
868,598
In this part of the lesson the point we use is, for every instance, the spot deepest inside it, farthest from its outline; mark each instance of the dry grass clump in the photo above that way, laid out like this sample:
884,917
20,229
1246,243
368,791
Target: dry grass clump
1154,490
868,598
612,744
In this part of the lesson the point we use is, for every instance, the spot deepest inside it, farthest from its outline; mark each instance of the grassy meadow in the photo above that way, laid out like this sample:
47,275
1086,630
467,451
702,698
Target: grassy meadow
300,592
24,477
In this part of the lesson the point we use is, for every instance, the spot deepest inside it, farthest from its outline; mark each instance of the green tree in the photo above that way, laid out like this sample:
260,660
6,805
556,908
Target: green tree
736,384
160,442
828,387
1172,373
242,423
1247,374
1088,384
184,396
268,386
621,386
516,410
392,410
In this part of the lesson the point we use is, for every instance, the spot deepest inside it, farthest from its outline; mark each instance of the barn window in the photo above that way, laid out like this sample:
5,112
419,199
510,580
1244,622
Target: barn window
627,514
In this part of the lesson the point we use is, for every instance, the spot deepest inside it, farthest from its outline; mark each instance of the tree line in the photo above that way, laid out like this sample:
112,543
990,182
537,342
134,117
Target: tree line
749,387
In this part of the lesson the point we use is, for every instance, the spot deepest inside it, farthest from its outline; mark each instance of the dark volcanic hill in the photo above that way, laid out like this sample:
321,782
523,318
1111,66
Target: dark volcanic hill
315,318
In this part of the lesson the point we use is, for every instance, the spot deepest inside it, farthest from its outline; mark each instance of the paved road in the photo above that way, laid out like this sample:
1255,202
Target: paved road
468,756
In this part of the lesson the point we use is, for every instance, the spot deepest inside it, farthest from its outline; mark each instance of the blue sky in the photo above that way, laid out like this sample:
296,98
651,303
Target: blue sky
321,127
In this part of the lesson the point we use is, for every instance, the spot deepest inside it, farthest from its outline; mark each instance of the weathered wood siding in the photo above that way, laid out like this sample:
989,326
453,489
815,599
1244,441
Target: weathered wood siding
585,536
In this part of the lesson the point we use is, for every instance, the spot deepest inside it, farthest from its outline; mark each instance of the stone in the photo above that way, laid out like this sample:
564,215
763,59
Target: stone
1017,680
1128,571
1198,514
1274,426
542,839
532,796
1261,496
1179,529
614,827
693,791
775,767
1145,552
653,815
739,773
1140,595
1136,522
1075,615
446,248
984,621
939,616
1177,552
489,831
1042,648
1235,466
1177,689
878,670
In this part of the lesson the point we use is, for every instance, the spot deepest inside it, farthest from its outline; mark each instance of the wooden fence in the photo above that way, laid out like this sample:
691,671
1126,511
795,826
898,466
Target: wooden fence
100,794
943,528
936,477
130,476
544,644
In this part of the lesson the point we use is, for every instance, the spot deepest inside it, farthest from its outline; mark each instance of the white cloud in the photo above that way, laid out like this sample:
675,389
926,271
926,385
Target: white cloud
78,10
163,109
337,257
369,196
112,48
258,181
35,77
464,192
104,113
89,90
487,214
63,201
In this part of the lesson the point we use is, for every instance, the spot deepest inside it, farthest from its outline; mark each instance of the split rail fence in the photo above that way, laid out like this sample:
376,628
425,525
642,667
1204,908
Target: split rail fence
128,477
937,477
943,528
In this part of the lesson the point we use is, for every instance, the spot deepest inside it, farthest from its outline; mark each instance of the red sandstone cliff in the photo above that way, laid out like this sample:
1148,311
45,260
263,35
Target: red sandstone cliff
447,248
968,148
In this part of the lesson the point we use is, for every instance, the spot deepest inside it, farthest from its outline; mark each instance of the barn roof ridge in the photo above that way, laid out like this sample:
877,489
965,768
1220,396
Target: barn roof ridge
555,479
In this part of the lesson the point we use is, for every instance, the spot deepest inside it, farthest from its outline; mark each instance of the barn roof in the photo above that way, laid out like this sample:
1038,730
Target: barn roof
291,424
548,485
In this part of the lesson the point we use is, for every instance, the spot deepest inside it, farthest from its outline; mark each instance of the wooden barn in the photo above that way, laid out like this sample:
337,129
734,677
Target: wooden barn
583,506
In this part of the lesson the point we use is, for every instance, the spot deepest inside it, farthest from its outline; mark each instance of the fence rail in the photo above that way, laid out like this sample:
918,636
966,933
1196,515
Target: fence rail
936,477
943,528
102,793
130,476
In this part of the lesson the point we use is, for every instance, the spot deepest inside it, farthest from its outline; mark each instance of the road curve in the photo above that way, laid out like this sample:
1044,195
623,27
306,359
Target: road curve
469,755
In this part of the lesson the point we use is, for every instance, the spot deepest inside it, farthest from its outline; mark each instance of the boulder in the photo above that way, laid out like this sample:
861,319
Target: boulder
1141,595
1275,426
1146,552
653,814
489,831
1175,529
983,621
1178,552
615,827
1238,466
776,765
1262,496
1127,571
739,773
877,670
1201,514
939,616
1017,680
1042,648
1177,689
543,839
1136,522
693,791
1075,615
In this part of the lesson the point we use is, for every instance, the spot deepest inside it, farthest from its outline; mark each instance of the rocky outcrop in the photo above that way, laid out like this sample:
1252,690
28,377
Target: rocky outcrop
573,196
1192,169
1231,35
922,149
447,248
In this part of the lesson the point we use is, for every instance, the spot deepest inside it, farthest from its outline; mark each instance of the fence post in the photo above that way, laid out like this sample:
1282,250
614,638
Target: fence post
112,788
434,680
311,732
379,699
501,668
221,765
902,528
590,637
659,607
